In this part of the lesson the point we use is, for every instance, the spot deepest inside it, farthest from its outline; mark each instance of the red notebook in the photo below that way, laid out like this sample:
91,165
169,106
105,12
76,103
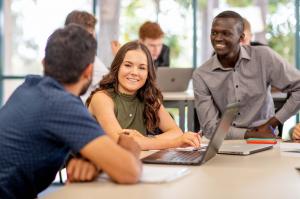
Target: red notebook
261,141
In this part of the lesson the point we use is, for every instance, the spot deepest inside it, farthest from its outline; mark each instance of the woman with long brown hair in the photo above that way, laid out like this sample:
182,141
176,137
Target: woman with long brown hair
128,101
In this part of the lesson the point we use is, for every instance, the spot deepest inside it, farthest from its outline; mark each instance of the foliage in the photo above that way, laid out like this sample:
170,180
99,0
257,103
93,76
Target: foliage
202,4
282,35
184,3
273,4
130,10
173,42
239,3
281,42
130,31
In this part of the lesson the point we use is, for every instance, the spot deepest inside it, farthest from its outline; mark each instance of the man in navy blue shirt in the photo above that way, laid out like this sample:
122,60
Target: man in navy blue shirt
44,120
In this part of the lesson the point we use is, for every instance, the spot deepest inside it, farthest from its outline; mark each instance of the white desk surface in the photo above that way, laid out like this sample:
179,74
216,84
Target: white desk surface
263,175
185,95
189,95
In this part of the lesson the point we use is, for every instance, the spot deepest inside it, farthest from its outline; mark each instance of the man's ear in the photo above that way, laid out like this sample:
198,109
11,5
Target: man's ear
88,71
242,37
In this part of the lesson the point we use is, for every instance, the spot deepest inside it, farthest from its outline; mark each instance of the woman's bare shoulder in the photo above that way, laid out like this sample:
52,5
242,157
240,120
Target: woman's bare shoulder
101,98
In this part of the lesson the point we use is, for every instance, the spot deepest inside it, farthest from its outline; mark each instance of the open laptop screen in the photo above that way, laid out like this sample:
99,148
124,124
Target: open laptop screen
220,134
171,156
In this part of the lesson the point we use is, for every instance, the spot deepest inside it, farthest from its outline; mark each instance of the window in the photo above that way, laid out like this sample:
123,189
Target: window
27,25
178,36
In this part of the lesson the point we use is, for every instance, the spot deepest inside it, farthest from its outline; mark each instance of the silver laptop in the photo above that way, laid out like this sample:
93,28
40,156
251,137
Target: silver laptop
198,157
243,148
173,79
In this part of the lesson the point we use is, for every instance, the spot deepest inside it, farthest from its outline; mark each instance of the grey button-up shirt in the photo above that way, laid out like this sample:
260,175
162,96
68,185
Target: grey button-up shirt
248,83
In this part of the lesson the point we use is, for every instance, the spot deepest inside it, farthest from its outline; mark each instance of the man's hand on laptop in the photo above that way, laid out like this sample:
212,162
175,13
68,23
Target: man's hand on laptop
189,139
80,170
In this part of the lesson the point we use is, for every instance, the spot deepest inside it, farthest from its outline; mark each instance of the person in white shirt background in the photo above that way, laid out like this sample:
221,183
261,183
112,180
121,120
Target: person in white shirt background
88,21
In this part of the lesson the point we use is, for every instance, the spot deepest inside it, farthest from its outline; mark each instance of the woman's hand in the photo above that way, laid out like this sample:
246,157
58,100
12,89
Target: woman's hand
188,139
296,132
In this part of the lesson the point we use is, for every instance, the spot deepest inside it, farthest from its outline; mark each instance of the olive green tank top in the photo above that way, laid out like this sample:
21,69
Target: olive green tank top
129,111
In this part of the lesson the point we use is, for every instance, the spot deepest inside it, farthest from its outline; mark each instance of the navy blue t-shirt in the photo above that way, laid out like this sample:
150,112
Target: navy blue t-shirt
39,125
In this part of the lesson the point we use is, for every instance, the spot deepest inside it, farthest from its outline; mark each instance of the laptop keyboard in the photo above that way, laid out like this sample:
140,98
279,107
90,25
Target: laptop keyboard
171,156
181,156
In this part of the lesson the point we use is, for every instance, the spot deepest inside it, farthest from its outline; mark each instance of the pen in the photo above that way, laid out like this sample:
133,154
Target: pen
272,130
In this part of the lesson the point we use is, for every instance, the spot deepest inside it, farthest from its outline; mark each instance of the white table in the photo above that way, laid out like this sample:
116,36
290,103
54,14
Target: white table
267,174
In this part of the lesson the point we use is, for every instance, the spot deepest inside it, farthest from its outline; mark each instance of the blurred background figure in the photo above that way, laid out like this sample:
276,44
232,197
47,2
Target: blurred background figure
88,21
247,40
248,33
152,36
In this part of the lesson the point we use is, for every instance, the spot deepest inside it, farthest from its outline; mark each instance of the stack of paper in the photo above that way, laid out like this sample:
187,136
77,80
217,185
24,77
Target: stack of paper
158,173
161,174
290,149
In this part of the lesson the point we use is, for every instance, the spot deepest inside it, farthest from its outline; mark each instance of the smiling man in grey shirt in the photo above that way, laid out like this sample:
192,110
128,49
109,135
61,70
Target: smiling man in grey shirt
243,74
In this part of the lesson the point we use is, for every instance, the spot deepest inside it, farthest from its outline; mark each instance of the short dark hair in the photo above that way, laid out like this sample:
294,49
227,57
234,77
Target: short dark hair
233,15
82,18
150,30
68,52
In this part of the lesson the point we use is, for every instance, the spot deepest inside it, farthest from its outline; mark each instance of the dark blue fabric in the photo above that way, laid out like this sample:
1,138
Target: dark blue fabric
39,125
163,58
